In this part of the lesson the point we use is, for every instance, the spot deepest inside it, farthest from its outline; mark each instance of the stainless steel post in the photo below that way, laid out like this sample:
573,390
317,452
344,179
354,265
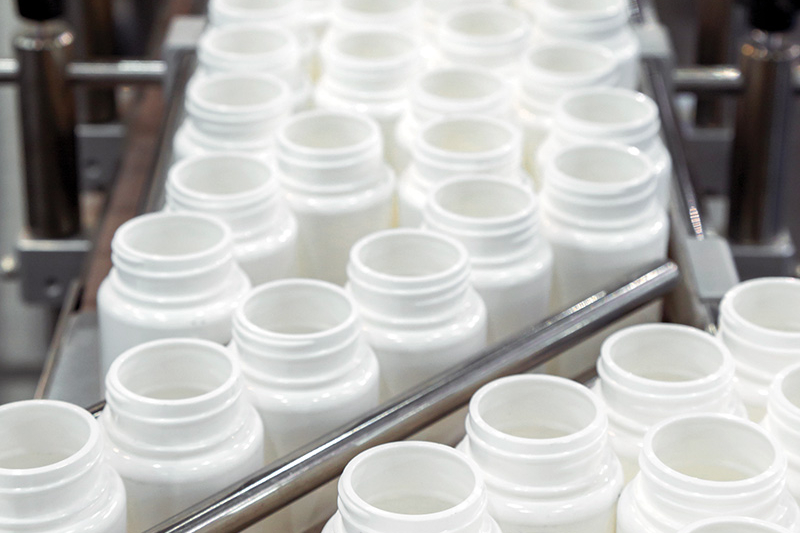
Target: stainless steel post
284,481
47,108
101,105
762,134
713,40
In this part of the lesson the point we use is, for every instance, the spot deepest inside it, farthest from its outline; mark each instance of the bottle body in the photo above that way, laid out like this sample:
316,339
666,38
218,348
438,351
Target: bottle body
336,184
420,313
781,421
178,427
542,446
173,276
52,476
732,524
756,324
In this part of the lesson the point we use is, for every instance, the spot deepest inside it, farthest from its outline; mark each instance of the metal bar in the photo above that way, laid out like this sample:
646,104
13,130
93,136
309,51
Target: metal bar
713,42
98,34
100,73
9,70
282,482
718,80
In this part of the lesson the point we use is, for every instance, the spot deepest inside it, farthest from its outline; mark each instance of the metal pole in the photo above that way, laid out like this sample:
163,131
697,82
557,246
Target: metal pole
713,41
124,72
761,141
282,482
98,32
47,109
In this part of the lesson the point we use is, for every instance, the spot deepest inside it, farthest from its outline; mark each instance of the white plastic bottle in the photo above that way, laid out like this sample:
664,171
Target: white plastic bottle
232,112
174,275
542,445
52,473
457,145
448,91
487,36
757,323
706,465
650,372
614,115
368,71
601,217
782,420
512,265
178,427
603,22
243,192
420,312
306,364
733,524
411,486
337,185
256,47
549,71
355,15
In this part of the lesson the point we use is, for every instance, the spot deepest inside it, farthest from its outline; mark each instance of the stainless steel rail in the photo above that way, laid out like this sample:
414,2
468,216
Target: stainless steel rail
100,73
284,481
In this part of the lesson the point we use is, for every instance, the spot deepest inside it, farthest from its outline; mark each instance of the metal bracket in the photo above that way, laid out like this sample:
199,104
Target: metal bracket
48,267
100,148
776,258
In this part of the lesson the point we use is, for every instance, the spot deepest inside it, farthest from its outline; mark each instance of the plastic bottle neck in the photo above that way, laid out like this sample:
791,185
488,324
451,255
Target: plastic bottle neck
783,409
297,331
551,70
599,186
540,432
243,108
329,152
405,276
171,257
699,465
412,486
177,397
496,220
733,524
581,20
467,144
355,15
51,463
369,66
284,13
247,200
489,36
650,372
458,90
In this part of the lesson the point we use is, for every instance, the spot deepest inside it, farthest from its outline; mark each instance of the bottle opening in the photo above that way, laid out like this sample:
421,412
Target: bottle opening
602,164
38,434
410,255
460,85
297,308
174,370
412,480
486,198
614,107
375,45
713,448
172,235
534,408
470,136
666,354
236,91
569,59
770,304
485,22
249,41
791,387
374,6
328,131
584,6
221,175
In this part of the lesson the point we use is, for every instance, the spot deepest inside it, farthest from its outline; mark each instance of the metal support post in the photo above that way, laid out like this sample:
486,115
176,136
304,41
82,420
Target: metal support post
713,40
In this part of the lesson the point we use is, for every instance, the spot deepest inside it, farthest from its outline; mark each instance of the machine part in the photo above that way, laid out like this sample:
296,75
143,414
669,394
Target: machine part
777,257
47,266
284,481
181,40
713,43
100,148
47,108
123,72
761,141
98,33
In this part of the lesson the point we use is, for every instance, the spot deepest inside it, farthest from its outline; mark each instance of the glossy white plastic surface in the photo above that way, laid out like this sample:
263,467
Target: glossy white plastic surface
733,524
411,486
783,420
706,465
615,115
307,367
548,72
178,427
337,185
449,91
603,22
368,71
498,222
542,445
52,474
650,372
173,275
354,15
457,145
420,312
758,322
256,47
232,112
243,192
